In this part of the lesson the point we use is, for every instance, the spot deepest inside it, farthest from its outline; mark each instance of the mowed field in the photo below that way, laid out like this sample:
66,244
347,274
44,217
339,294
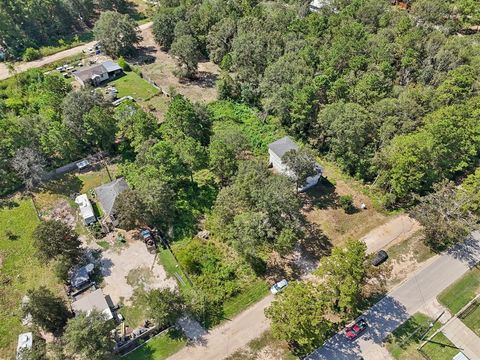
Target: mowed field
20,268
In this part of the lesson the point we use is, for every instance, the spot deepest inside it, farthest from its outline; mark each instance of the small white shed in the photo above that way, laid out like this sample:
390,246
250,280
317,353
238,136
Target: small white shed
277,149
86,209
25,342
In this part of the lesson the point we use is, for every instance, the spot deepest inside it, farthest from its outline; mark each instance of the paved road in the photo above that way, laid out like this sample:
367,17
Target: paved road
463,337
224,340
250,324
402,302
21,67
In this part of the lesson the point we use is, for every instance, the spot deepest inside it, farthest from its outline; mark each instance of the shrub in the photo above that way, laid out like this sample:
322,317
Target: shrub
346,202
123,64
31,54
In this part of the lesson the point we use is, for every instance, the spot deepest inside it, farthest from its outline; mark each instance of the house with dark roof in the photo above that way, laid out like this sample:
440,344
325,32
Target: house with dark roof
277,150
97,74
107,195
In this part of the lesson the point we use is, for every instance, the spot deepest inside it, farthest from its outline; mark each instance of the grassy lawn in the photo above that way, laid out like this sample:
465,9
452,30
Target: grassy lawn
324,212
404,341
457,295
264,344
254,293
440,348
473,320
166,259
158,348
20,269
132,84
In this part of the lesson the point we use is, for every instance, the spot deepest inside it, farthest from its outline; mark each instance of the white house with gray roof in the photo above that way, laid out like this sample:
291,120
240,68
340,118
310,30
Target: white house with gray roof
277,150
96,74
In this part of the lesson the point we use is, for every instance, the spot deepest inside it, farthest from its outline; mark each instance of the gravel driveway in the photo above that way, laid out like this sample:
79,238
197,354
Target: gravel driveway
117,265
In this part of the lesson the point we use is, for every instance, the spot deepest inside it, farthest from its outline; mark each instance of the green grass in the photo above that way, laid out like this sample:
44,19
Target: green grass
473,320
158,348
440,348
20,270
166,259
249,296
90,180
457,295
132,84
68,43
404,341
136,313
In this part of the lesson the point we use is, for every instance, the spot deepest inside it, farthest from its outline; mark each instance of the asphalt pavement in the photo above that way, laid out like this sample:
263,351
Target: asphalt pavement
402,302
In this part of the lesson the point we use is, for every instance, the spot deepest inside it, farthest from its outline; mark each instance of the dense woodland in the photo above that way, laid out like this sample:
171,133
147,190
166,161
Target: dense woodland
374,87
391,96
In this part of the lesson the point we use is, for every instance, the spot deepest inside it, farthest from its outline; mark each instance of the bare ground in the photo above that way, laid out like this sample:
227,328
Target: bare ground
161,72
322,210
129,268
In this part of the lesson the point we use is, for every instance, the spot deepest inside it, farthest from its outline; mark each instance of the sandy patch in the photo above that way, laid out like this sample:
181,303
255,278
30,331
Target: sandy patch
116,266
393,232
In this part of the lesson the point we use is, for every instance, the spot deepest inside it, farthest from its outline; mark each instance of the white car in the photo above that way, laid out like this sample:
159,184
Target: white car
279,286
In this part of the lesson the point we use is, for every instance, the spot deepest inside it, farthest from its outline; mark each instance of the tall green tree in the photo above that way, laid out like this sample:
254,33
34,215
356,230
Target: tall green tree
165,306
302,165
54,238
343,274
186,50
47,310
225,151
116,33
88,337
445,216
184,118
299,316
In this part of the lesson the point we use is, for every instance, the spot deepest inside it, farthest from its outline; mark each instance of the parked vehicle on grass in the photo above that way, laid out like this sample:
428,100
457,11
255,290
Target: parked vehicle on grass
380,258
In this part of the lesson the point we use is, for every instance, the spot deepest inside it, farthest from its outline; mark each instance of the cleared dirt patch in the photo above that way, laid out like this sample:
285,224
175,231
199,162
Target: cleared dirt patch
322,209
129,268
161,71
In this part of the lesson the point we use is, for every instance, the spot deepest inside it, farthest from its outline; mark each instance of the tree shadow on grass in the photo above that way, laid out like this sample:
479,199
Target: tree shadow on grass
67,185
322,196
203,79
8,204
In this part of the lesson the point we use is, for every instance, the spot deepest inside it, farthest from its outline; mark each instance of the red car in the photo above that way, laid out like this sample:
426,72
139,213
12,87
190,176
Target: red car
356,329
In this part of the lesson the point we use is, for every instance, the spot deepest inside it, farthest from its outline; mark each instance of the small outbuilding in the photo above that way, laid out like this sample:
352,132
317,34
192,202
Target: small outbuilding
25,343
89,302
86,209
97,74
107,196
278,149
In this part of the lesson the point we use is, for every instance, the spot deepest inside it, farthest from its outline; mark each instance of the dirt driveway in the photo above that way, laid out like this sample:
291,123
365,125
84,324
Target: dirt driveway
394,231
130,267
